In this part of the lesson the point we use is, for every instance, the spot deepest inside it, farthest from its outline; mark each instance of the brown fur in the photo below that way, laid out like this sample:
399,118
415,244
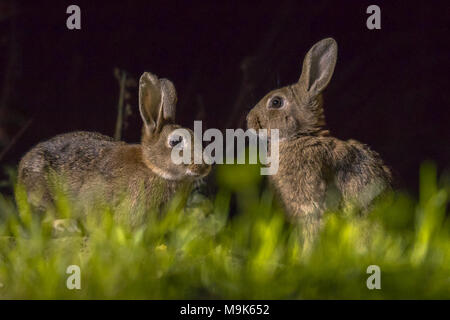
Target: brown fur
316,171
95,167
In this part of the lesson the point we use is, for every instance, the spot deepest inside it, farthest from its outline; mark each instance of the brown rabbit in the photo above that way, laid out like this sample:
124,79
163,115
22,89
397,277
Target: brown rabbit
93,164
316,171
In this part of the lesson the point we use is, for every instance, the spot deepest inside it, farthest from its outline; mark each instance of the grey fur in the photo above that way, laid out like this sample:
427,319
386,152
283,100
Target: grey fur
94,165
317,171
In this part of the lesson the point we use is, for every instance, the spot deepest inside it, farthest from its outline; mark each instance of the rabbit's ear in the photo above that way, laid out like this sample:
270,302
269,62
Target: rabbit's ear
157,100
318,66
149,101
169,97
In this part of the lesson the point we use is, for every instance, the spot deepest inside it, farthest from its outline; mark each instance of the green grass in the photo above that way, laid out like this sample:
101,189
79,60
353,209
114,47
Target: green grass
199,252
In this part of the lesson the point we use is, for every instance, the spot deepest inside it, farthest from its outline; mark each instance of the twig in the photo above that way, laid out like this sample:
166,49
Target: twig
15,138
119,121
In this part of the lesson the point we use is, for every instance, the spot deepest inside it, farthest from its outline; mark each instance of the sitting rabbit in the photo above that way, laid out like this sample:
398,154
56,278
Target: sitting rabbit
93,164
315,169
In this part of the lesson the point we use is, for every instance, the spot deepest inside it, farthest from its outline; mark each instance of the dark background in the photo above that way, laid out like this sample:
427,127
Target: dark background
390,87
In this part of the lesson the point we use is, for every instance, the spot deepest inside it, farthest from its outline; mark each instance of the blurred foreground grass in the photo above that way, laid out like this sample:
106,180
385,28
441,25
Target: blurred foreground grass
201,253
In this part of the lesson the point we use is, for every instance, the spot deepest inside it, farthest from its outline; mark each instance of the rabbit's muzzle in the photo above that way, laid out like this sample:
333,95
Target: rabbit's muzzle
198,171
253,121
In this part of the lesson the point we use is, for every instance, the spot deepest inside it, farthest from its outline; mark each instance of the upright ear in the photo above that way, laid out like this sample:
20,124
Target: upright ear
169,100
157,99
318,66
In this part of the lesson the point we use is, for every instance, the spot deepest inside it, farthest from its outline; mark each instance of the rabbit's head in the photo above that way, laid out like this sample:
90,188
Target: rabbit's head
297,109
157,105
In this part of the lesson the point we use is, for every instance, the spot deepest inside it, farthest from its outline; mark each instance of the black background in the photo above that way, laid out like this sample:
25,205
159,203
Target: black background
390,87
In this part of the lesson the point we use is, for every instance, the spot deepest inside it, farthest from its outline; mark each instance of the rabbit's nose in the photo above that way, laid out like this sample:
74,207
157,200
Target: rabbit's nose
253,122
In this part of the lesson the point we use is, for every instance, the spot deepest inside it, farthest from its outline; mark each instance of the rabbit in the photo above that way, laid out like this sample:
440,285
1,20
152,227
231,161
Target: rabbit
94,164
316,171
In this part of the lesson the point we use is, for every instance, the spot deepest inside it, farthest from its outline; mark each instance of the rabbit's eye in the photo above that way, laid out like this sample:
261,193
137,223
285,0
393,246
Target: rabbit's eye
175,140
276,102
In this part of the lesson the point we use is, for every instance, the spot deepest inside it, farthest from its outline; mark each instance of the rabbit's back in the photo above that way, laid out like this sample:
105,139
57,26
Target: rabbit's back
91,167
316,173
70,151
72,156
360,173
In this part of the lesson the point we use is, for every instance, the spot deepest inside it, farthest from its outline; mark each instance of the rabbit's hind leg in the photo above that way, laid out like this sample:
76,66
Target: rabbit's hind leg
359,188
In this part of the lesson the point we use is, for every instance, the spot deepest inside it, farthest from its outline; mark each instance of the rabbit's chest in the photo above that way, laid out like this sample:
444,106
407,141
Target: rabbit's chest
301,181
301,163
300,175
